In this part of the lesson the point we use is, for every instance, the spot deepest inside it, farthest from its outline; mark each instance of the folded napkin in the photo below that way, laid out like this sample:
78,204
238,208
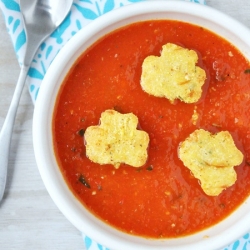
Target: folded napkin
83,12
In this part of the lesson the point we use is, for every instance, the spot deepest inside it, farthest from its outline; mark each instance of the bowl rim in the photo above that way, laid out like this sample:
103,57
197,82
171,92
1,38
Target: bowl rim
59,191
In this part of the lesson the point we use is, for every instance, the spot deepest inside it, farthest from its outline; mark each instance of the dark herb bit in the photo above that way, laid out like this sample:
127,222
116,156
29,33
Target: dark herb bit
73,149
83,181
248,163
81,132
222,205
149,168
118,109
138,169
247,71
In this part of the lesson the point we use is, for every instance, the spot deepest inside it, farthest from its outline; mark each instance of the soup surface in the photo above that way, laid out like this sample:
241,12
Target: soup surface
160,199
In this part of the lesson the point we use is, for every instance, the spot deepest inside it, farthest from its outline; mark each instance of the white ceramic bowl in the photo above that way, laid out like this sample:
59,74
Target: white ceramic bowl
213,238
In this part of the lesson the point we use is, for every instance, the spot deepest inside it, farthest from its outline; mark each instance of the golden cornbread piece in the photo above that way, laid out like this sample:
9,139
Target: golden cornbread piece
116,140
211,158
173,75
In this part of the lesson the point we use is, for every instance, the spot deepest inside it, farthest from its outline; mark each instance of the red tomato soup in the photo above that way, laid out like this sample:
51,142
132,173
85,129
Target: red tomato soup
161,199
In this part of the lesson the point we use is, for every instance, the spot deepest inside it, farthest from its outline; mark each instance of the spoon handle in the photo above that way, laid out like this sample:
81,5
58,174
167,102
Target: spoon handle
6,132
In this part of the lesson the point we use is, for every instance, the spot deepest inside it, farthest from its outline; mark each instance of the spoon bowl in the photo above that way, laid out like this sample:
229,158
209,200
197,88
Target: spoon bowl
40,19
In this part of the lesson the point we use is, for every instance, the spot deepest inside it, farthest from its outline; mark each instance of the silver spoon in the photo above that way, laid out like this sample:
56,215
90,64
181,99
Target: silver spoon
40,18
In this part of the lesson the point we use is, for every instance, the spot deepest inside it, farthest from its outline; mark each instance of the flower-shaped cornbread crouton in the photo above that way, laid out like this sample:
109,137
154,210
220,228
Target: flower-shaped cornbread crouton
173,75
211,158
116,140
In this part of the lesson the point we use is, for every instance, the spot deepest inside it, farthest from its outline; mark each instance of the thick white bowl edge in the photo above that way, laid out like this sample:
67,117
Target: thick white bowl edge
213,238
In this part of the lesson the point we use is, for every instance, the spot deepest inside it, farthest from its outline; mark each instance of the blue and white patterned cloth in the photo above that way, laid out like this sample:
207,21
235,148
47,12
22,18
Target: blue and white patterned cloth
82,12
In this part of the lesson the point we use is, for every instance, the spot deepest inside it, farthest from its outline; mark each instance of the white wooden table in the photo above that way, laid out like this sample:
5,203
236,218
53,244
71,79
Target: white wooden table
28,217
